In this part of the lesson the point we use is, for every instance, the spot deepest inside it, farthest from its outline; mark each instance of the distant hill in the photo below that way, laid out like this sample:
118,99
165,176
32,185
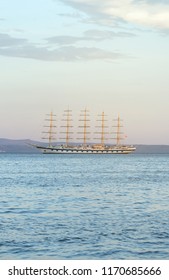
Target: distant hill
17,146
152,149
22,146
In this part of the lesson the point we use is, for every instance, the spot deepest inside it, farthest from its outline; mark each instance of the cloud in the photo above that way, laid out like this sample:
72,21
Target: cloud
154,1
101,35
64,40
89,35
21,48
147,13
71,15
6,40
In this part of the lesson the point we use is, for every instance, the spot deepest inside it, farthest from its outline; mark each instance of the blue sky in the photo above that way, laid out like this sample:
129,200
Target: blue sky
107,55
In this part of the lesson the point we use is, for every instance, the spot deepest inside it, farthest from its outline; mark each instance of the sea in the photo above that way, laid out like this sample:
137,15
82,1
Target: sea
91,207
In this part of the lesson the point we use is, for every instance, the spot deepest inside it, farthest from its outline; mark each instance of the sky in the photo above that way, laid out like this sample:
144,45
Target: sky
110,56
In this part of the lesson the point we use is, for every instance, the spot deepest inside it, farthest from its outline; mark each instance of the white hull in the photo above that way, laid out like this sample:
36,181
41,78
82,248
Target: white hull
79,150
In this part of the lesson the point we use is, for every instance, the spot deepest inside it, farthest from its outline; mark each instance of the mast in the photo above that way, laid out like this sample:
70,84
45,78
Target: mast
67,119
102,126
85,126
50,131
118,132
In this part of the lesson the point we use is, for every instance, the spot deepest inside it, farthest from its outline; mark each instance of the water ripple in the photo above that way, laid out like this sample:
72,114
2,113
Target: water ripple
76,207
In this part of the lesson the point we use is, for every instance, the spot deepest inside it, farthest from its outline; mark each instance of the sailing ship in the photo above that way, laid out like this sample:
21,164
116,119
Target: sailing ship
85,146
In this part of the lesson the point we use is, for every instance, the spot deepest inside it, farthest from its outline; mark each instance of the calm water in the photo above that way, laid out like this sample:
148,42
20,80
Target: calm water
84,206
